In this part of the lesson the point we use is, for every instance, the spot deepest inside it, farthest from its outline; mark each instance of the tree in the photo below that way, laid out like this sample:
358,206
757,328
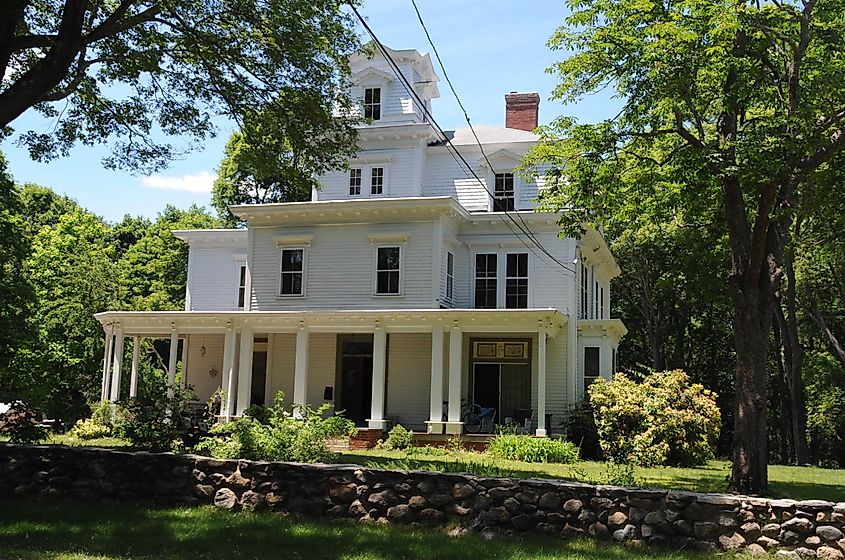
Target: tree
742,103
133,69
277,159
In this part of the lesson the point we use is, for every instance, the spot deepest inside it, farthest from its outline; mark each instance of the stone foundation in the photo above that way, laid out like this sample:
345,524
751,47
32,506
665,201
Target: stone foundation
799,530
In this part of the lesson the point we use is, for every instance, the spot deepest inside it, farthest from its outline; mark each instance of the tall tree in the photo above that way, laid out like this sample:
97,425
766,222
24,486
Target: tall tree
131,69
276,159
749,98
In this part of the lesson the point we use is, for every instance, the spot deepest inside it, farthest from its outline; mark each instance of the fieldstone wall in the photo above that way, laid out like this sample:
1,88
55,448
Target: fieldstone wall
799,530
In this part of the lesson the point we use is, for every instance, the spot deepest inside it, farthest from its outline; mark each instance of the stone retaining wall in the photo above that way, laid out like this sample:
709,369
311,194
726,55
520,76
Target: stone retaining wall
800,530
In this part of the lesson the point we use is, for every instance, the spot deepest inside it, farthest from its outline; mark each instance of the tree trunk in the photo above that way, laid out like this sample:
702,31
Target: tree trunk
751,334
780,388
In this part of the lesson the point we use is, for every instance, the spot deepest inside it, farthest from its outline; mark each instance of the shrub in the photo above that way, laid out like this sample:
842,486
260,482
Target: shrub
579,427
157,421
532,449
20,424
88,428
298,434
398,438
665,420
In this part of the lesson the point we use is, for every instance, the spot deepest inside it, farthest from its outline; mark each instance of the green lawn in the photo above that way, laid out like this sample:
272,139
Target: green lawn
799,483
65,530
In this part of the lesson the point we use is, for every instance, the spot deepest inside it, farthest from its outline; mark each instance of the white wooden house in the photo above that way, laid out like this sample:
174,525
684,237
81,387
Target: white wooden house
403,285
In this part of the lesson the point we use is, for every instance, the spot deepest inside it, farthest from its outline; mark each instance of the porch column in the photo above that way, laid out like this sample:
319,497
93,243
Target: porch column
453,426
116,365
133,374
227,404
104,389
541,383
435,416
300,369
245,370
376,420
171,363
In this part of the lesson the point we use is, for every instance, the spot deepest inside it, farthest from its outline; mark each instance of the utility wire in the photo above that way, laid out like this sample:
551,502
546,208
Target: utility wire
409,87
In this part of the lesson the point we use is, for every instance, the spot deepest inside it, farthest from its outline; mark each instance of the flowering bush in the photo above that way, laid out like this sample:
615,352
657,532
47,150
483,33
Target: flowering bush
665,420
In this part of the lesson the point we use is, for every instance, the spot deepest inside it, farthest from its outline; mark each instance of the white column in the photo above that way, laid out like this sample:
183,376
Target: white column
228,383
435,416
245,370
104,389
376,420
116,365
541,383
455,350
300,369
133,374
171,363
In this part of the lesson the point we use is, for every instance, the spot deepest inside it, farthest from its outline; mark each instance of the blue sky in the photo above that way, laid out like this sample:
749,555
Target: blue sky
489,47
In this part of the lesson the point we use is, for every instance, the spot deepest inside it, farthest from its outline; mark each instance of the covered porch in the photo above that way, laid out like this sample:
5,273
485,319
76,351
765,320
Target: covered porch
414,367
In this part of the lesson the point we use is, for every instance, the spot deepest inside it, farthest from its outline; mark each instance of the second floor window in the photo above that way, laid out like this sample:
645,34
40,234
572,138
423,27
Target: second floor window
450,276
516,281
241,286
377,180
387,271
503,194
293,271
372,103
355,175
584,280
485,281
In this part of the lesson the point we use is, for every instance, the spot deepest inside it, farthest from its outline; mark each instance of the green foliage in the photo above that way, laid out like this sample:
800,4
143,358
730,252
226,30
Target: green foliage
157,420
532,449
398,438
825,384
614,474
21,424
579,427
478,467
136,70
298,433
665,420
88,428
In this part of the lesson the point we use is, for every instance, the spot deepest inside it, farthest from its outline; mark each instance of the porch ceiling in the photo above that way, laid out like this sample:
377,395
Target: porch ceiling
163,323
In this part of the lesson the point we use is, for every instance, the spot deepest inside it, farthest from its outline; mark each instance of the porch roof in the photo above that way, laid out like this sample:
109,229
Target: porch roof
163,323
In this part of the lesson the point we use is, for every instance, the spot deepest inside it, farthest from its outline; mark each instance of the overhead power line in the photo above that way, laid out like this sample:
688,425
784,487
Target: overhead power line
455,153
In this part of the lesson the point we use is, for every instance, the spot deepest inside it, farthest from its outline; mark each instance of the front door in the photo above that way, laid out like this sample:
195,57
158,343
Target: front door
356,378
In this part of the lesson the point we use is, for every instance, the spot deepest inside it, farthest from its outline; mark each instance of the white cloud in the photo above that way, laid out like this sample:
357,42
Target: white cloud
197,183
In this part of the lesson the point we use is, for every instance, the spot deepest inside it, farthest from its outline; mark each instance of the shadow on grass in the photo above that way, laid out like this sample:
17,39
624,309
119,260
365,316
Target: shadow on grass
58,528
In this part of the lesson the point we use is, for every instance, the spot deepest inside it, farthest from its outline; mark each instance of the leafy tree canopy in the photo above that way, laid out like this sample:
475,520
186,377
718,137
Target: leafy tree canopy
134,71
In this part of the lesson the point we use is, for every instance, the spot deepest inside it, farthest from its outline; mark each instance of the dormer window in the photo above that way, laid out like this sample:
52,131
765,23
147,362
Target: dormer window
372,103
503,193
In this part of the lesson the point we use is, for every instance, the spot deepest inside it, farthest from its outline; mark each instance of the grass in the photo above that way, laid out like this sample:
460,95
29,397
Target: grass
63,530
799,483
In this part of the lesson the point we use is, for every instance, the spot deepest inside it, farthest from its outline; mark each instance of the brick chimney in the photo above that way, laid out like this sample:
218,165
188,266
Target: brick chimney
521,110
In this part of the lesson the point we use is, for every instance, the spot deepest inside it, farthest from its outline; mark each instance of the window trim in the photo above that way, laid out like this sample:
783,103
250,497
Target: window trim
304,272
349,185
379,104
527,279
375,269
366,170
474,276
383,180
241,268
494,198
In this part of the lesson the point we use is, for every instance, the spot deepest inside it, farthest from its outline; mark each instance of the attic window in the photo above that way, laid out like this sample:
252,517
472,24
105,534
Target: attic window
372,103
503,199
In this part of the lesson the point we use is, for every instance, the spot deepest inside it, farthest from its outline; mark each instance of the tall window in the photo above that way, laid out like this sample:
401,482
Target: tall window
241,286
601,302
377,180
596,299
591,365
387,271
372,103
584,280
516,281
293,270
450,276
503,200
355,175
485,281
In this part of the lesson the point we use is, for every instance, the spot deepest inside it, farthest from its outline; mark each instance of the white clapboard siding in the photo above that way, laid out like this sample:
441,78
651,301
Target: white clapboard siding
445,177
214,278
200,367
408,379
550,283
400,176
340,268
